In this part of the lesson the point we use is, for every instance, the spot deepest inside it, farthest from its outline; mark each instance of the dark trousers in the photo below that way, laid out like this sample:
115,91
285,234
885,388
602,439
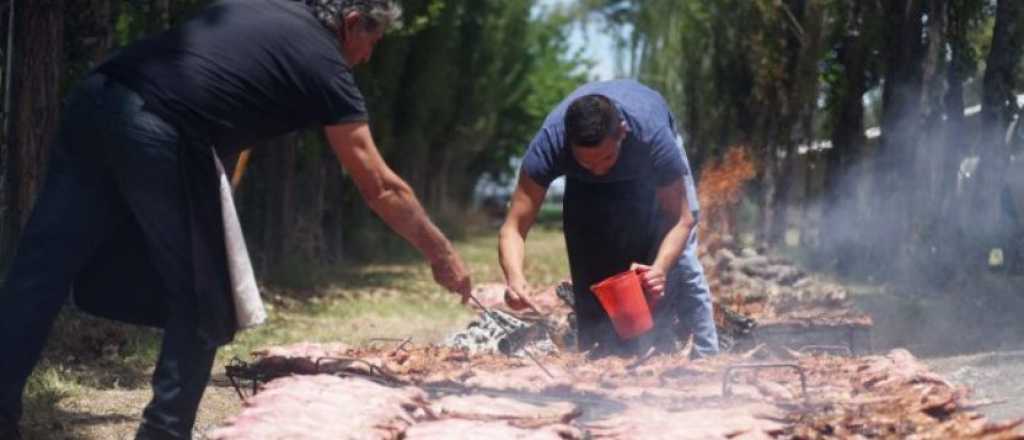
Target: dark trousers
113,168
608,226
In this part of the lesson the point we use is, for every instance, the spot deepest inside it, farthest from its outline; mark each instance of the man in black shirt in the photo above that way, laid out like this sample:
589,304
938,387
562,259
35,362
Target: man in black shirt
131,204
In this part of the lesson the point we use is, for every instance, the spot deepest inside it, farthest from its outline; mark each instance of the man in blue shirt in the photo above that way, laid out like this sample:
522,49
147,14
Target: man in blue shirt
630,202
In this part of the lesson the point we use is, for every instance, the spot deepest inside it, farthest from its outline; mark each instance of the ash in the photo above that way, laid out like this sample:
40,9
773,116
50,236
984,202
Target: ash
500,332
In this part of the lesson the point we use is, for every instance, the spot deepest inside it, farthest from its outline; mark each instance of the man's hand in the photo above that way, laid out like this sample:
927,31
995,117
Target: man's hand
516,296
451,273
522,212
653,280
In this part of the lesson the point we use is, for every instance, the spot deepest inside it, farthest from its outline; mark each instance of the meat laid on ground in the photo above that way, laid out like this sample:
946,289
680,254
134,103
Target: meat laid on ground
457,429
747,419
518,412
662,396
896,369
891,396
324,407
527,378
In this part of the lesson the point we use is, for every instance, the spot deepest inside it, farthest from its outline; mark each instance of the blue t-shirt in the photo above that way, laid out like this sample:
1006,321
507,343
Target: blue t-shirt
652,149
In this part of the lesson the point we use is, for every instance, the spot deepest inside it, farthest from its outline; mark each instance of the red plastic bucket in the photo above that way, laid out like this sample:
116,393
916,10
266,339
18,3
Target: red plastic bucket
622,297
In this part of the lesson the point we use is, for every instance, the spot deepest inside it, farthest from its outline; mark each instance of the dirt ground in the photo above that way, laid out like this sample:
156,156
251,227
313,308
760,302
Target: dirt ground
115,414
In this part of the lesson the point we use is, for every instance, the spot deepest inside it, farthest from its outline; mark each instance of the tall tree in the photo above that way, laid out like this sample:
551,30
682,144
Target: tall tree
847,79
806,49
999,108
7,49
963,17
999,104
901,129
37,73
933,83
963,63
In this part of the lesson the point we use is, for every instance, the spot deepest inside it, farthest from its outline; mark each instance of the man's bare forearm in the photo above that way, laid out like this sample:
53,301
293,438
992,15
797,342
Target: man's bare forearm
511,254
522,212
674,242
398,207
385,192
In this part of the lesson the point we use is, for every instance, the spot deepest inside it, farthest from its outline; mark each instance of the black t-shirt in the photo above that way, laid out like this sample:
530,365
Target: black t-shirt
242,71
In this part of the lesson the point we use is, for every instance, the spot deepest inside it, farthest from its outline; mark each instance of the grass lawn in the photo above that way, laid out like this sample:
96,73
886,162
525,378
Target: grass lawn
94,379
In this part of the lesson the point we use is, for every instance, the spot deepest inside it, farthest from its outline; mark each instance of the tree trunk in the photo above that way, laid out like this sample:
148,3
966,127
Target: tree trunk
901,130
814,212
954,145
999,106
334,233
275,167
797,103
927,170
847,145
933,87
6,48
768,189
38,64
803,99
998,102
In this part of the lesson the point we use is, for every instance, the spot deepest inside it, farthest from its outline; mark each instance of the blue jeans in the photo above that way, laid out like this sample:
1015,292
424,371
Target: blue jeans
688,292
113,170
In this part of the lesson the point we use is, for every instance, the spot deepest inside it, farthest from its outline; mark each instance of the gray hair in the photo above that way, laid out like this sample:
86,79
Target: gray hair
376,13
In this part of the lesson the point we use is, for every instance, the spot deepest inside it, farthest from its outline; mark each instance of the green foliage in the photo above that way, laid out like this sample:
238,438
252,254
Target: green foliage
721,65
464,88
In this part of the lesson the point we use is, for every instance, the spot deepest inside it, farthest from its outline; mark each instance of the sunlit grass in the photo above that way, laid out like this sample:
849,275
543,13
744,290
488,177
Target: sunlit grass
396,300
50,384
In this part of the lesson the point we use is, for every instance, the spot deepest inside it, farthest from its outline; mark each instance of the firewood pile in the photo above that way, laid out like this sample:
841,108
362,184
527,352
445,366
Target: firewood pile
405,391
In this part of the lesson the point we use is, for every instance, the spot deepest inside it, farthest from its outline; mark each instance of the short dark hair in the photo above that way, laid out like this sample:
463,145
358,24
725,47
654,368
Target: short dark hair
589,119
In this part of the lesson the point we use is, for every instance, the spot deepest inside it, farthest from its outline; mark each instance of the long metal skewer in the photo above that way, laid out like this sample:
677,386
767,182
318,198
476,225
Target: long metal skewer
509,334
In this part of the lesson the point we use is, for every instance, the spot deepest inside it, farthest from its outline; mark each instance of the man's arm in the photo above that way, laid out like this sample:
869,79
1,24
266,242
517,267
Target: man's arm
675,208
526,201
393,200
